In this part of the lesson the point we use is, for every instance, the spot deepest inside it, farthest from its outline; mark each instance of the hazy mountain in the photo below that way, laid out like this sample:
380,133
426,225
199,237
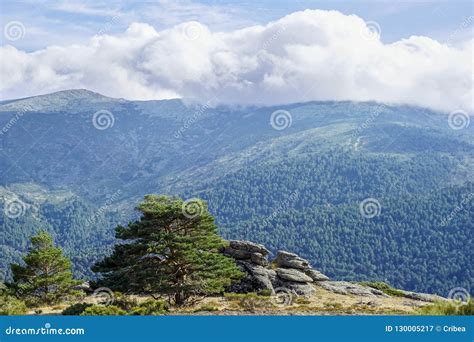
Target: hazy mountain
297,187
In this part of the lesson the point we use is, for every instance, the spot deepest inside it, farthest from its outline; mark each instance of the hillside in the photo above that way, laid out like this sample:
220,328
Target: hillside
297,188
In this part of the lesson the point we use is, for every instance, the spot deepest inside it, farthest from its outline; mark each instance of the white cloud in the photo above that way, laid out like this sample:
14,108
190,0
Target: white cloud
310,55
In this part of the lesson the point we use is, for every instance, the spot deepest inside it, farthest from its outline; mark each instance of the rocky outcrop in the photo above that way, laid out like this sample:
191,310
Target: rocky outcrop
288,272
423,297
248,251
345,287
287,260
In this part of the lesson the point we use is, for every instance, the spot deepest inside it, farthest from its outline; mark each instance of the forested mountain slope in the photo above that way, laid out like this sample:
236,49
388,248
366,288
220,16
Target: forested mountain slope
298,187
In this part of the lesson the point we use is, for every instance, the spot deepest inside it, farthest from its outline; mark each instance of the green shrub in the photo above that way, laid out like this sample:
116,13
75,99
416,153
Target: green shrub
448,309
124,302
207,307
249,301
10,305
76,309
384,287
151,307
265,292
100,310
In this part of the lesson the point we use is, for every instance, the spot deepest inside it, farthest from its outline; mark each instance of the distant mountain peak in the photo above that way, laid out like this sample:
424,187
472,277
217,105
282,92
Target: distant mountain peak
56,101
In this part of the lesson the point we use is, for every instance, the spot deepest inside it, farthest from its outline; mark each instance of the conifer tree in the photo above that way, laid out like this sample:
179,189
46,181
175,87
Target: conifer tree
46,276
172,250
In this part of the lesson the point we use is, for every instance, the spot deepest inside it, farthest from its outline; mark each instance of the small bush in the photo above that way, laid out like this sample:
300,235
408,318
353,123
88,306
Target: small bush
249,301
150,307
76,309
448,309
384,287
124,302
10,305
100,310
207,307
265,292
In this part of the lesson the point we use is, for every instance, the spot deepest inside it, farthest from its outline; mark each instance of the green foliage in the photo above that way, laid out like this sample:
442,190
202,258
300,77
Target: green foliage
10,305
207,308
100,310
249,301
384,287
150,307
448,308
316,200
170,251
46,277
265,292
124,302
76,309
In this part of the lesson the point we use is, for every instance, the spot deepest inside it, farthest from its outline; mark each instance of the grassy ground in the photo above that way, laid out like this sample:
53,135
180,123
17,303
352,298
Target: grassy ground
322,302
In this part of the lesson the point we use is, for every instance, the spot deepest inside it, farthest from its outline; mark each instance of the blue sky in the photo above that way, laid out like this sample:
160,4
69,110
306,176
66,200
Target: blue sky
73,22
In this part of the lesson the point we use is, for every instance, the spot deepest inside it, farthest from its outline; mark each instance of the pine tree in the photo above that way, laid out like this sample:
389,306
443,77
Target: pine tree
46,276
172,250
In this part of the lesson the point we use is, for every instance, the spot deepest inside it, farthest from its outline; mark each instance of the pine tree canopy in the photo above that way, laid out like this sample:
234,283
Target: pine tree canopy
173,250
46,276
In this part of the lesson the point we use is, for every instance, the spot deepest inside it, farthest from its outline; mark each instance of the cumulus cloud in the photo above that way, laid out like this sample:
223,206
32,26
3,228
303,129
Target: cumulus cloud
309,55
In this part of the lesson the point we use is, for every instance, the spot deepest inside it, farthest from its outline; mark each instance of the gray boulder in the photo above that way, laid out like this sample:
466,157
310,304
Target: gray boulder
316,275
299,289
346,288
293,275
258,259
256,278
246,250
248,246
424,297
290,260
